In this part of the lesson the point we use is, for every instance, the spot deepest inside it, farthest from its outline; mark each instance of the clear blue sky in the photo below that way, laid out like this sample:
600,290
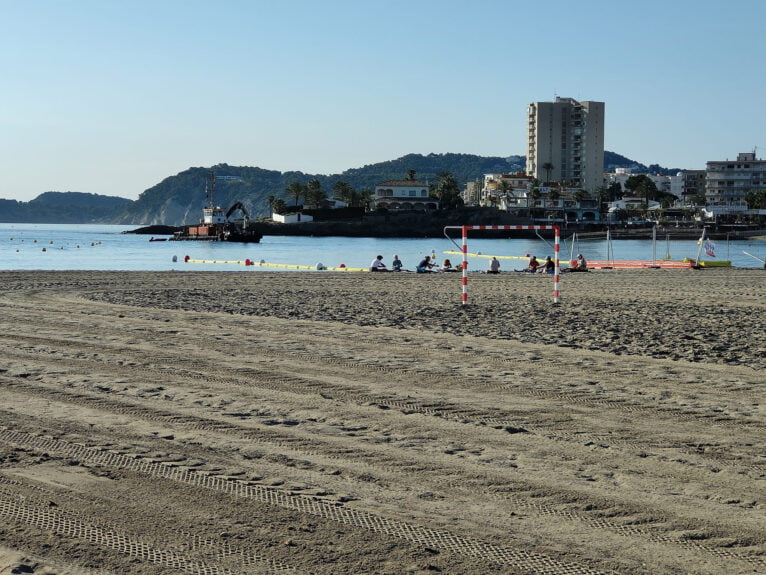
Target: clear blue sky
112,96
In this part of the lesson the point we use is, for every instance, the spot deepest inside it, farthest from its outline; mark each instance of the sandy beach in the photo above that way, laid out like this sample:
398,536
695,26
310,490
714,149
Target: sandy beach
330,423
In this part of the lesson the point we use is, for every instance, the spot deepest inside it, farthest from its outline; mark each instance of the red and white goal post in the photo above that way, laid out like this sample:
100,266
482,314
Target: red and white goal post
464,249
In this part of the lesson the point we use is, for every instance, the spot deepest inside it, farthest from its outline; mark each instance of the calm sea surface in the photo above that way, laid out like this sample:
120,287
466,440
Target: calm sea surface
104,247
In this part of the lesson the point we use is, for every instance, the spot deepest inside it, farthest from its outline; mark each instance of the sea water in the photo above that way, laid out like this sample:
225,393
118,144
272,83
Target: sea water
105,247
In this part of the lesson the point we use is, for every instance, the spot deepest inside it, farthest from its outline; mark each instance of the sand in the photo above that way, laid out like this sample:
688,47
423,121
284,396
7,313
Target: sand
327,423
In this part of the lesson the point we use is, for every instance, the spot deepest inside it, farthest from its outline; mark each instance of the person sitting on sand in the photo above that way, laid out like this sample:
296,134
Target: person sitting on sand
425,265
494,266
396,265
377,265
533,265
447,266
580,265
548,266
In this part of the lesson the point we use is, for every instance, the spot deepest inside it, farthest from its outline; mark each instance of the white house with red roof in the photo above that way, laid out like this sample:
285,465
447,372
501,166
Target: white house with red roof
403,195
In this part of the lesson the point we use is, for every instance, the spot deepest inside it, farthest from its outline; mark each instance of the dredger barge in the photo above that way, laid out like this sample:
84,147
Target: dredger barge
215,224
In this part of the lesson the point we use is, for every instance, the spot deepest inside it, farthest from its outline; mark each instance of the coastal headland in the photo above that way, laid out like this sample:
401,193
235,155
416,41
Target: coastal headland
203,422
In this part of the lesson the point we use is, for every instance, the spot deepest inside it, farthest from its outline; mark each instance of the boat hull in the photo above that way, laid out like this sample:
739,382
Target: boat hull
208,233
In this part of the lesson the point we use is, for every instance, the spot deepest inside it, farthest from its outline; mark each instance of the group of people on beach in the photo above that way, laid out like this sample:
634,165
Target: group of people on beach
426,265
535,267
549,267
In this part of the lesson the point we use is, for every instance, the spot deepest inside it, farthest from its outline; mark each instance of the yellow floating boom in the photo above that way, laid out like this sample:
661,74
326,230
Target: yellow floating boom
238,262
314,267
286,266
456,253
339,269
249,262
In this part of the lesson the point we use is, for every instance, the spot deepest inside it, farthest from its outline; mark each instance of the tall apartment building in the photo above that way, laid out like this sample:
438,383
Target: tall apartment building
727,182
565,142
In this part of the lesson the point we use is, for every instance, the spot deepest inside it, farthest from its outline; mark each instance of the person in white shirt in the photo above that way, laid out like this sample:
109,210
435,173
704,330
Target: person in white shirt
377,265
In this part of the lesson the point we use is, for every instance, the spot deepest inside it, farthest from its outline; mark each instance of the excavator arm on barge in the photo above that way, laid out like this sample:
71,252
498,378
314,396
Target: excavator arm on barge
237,206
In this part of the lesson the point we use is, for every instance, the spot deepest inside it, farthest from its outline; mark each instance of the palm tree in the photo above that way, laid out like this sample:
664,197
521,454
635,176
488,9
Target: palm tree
364,197
314,193
548,167
601,195
447,190
296,190
344,191
615,191
279,206
411,174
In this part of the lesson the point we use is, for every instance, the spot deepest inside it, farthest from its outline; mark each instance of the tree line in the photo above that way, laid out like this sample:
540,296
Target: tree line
445,189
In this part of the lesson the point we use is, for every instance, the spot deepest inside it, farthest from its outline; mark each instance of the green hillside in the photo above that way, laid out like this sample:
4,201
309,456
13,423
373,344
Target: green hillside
179,199
63,208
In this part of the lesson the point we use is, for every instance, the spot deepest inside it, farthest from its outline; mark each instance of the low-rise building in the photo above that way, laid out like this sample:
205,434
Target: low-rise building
636,204
637,210
518,193
472,192
668,184
573,205
677,185
293,218
403,195
506,190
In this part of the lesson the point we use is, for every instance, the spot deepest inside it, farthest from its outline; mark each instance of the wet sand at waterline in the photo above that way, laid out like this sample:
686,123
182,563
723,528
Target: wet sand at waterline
184,422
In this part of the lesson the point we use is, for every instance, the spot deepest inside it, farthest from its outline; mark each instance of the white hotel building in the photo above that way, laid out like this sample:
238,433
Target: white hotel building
727,182
403,195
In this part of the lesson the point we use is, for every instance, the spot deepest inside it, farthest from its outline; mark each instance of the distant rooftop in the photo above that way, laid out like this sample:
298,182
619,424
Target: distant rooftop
404,183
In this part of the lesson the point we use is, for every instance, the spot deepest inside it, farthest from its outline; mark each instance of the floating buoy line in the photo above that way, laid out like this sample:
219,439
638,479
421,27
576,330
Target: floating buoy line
265,264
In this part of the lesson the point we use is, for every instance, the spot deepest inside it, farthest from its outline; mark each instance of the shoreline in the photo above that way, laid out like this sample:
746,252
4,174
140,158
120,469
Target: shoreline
429,229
